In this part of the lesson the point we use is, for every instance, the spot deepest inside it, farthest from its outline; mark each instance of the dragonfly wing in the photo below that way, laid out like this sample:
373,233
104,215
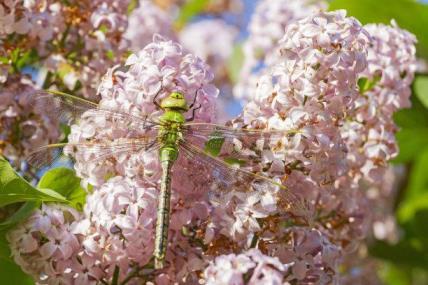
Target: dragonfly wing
71,108
91,151
255,150
227,178
206,130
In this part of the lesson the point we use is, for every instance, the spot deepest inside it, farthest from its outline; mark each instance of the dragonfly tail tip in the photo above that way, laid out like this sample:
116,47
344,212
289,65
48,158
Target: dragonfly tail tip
159,263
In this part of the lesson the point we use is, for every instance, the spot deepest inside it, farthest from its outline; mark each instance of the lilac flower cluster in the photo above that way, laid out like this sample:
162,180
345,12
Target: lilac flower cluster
75,43
336,135
145,21
160,68
266,28
213,42
45,247
369,132
36,123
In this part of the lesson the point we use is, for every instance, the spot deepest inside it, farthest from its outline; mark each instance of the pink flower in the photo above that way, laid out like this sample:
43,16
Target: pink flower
44,245
160,67
251,265
37,124
266,28
146,21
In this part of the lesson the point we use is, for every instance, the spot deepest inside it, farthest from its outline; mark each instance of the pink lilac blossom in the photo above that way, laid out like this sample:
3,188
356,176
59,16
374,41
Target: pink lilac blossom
370,131
251,267
266,28
118,229
37,125
146,21
309,91
44,246
369,134
10,20
160,68
120,213
78,40
213,41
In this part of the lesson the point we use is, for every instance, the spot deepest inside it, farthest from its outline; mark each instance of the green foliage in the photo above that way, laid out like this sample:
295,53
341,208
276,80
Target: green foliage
56,185
14,189
65,182
190,10
235,62
214,144
10,273
418,181
18,59
133,4
393,275
407,261
365,84
24,212
413,134
409,14
421,89
412,249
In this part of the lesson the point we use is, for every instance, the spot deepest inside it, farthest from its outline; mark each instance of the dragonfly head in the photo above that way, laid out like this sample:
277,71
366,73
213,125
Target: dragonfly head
175,101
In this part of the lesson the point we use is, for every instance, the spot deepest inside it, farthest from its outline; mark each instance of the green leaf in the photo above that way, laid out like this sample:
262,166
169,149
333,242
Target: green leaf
421,89
413,134
10,273
23,213
405,253
418,180
409,14
415,199
394,275
4,248
133,4
411,142
408,208
14,189
110,54
27,58
4,60
235,62
190,10
65,182
366,84
214,144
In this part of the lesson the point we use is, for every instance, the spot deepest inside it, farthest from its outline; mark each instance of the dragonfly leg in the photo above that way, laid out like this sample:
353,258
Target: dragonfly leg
194,99
155,99
193,113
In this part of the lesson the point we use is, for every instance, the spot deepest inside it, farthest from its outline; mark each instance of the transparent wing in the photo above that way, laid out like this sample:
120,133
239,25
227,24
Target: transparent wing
227,177
248,143
91,151
204,130
254,149
70,108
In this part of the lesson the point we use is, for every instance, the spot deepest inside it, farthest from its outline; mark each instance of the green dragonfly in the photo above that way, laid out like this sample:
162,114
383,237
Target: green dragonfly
232,156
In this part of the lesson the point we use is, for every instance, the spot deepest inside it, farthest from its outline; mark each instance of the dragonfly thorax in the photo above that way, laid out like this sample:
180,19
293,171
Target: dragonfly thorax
175,101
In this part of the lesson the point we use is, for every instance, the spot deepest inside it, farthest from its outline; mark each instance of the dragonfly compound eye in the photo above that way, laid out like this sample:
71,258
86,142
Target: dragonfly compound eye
176,95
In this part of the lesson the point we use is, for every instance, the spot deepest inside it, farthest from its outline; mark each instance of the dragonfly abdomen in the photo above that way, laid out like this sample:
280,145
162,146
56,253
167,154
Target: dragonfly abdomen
168,155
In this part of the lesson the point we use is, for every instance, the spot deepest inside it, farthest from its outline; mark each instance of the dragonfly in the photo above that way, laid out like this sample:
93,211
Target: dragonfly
232,155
